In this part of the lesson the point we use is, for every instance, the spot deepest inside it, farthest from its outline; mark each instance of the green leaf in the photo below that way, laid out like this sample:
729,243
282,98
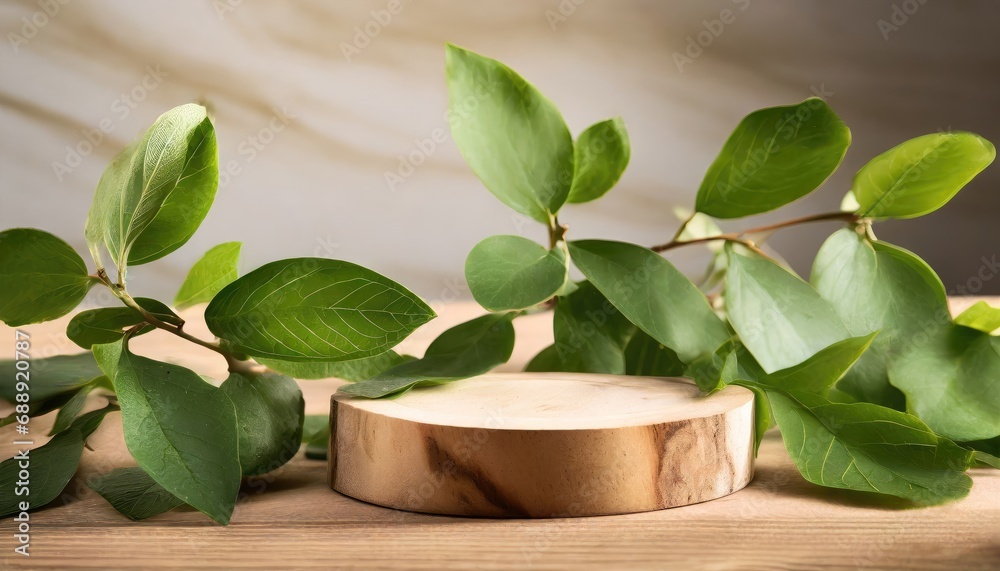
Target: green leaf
980,316
546,361
590,333
511,135
601,154
869,448
775,156
713,372
214,271
356,370
51,465
653,295
41,277
69,411
511,272
269,411
987,458
155,194
819,373
874,286
781,319
133,493
50,376
108,324
87,423
466,350
646,356
315,309
762,418
316,436
951,379
920,175
181,430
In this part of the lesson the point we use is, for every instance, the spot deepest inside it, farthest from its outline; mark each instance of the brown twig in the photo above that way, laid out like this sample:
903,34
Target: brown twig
738,237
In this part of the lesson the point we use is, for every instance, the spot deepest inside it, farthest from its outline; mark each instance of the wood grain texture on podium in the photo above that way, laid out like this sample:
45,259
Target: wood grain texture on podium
543,445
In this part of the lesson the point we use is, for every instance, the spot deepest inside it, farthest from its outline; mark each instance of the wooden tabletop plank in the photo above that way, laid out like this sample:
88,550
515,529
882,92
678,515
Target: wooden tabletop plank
291,519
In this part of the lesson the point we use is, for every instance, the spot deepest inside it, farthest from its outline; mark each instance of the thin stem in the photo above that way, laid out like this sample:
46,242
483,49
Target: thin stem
557,231
119,291
683,227
738,236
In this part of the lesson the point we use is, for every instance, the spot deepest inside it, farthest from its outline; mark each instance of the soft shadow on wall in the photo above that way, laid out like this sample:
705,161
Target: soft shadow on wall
333,139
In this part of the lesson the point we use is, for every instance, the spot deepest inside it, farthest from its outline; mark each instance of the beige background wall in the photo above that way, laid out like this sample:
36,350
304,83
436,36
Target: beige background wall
315,182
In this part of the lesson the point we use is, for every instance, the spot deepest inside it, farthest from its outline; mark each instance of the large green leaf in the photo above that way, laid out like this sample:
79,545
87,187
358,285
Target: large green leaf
781,319
951,379
466,350
546,361
869,448
133,493
980,316
214,271
874,286
601,154
51,466
511,272
775,155
41,277
181,430
590,333
315,309
356,370
108,324
652,294
155,194
49,377
269,411
921,175
511,135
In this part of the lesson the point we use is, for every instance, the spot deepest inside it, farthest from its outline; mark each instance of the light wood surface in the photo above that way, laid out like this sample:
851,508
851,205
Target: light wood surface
543,445
292,520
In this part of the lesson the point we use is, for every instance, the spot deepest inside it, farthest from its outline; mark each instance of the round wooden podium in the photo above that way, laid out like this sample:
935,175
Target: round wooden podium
538,445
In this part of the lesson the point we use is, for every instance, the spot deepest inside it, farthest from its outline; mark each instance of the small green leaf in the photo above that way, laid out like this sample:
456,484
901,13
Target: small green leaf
41,277
181,430
775,156
316,436
546,361
356,370
601,154
869,448
713,372
156,192
133,493
652,294
108,324
646,356
951,379
762,418
466,350
269,411
214,271
511,272
511,135
315,309
69,411
874,286
980,316
50,376
987,458
51,466
590,333
87,423
819,373
920,175
781,319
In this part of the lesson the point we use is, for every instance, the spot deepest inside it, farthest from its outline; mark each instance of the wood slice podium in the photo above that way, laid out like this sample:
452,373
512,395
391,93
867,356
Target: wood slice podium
536,445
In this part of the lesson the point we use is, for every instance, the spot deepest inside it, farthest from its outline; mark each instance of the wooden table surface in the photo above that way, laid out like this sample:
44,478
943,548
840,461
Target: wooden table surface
291,519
